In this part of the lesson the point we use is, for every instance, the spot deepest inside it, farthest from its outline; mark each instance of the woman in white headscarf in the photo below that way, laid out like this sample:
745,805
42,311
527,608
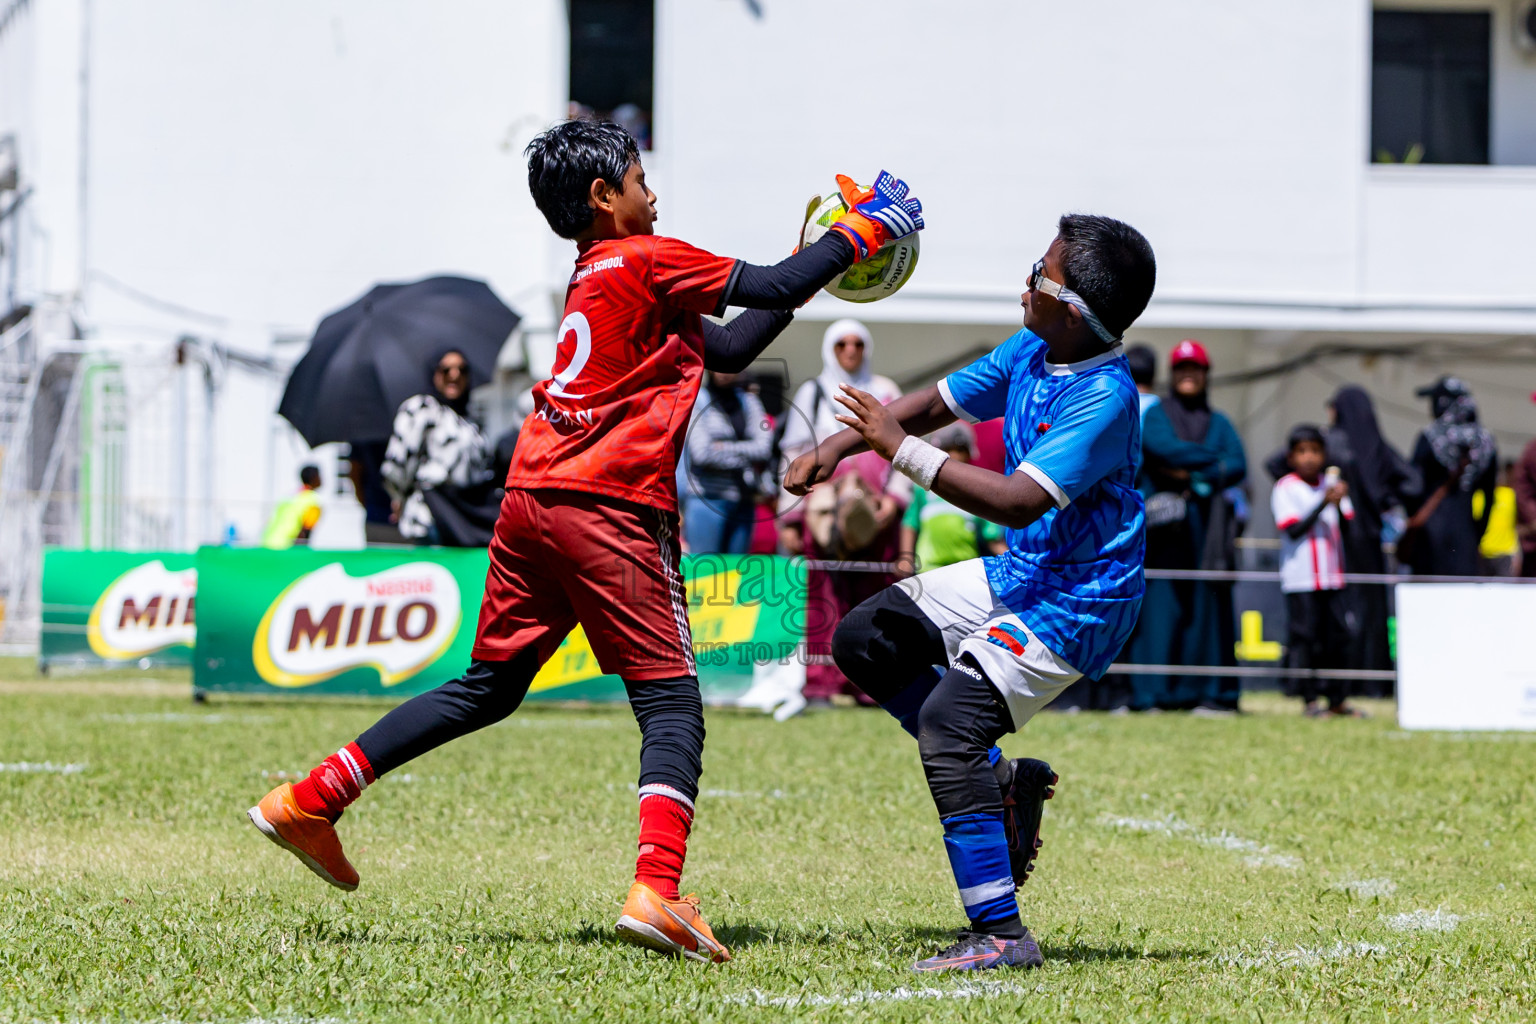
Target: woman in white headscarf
845,357
846,354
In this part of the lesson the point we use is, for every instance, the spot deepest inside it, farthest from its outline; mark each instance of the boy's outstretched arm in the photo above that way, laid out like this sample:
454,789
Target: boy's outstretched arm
790,282
917,413
874,216
1013,501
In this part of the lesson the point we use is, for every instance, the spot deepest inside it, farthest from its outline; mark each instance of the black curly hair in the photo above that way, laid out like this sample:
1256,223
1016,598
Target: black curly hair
565,160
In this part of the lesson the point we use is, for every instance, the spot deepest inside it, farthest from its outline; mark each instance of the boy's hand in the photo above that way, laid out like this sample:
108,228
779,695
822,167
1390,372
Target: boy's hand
878,215
872,420
1337,493
809,470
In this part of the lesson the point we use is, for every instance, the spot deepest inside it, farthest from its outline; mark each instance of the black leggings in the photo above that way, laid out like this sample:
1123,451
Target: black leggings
670,713
888,648
1319,638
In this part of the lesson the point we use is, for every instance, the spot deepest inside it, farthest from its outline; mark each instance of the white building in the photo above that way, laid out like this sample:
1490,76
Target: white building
229,173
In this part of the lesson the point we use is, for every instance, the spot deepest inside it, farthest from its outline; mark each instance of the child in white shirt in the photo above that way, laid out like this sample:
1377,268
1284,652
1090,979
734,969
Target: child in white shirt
1308,505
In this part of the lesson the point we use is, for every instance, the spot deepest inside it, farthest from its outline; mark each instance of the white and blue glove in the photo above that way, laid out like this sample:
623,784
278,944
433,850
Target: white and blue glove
878,215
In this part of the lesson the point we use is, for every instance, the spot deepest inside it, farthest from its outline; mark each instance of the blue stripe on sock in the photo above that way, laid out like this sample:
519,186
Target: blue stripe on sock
978,855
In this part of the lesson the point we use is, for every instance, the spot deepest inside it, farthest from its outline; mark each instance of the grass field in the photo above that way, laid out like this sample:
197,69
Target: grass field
1266,868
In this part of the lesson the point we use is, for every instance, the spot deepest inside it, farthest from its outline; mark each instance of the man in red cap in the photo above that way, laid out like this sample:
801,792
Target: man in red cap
1191,455
1189,352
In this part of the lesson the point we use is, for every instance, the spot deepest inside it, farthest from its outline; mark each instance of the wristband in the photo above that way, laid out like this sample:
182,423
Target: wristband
919,460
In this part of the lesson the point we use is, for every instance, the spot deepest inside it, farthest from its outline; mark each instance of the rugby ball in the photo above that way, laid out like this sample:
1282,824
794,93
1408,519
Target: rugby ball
881,275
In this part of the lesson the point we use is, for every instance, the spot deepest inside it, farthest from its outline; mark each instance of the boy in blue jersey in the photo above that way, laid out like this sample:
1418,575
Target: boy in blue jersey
1004,635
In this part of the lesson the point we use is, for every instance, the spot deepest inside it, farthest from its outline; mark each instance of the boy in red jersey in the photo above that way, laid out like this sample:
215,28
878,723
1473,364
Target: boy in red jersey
587,529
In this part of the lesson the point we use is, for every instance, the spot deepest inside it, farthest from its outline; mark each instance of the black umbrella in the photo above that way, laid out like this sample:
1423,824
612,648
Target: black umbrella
366,359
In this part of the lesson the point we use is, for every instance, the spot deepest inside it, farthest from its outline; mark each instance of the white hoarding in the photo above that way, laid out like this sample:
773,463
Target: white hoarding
1466,656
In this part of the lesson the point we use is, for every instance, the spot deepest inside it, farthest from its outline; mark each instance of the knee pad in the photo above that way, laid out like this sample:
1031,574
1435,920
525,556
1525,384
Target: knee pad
885,643
851,643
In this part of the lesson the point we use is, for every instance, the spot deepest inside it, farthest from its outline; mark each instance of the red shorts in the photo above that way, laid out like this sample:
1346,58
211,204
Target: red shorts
561,557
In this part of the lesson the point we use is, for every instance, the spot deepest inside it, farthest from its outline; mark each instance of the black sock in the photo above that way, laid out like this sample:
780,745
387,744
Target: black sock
1008,928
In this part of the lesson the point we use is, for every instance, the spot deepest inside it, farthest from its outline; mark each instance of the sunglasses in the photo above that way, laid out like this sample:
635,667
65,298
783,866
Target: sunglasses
855,343
452,370
1038,282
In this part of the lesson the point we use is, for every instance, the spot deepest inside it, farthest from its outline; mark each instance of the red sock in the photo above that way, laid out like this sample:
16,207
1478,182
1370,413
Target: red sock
666,816
335,782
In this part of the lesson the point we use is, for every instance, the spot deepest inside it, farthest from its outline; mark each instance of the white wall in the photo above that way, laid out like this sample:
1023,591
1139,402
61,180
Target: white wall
1239,161
1233,135
267,163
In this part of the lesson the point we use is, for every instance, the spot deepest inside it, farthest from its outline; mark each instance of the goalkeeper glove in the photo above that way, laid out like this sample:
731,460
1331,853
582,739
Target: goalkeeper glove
877,215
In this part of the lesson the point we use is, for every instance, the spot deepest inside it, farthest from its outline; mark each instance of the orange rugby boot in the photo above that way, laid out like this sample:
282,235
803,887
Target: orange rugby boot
668,926
311,839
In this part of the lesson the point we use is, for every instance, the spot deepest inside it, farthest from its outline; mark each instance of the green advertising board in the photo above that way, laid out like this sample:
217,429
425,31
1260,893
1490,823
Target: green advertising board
396,622
118,607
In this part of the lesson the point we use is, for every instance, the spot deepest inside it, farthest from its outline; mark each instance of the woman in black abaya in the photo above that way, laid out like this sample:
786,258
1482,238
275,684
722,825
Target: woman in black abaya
1379,479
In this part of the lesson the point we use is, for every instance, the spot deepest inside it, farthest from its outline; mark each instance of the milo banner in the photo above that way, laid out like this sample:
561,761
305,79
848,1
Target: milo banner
118,607
396,622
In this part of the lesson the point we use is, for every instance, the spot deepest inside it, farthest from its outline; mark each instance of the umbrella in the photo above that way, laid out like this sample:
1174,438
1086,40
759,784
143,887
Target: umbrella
366,359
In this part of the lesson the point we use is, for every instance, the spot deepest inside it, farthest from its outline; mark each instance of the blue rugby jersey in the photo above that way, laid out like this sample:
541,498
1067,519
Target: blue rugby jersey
1074,575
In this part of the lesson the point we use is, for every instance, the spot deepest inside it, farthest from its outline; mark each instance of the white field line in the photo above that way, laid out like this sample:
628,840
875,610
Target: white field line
215,718
1366,888
1494,736
969,990
1257,855
1301,956
1435,920
42,768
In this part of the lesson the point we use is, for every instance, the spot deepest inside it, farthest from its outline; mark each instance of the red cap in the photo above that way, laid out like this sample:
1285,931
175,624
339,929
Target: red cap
1189,351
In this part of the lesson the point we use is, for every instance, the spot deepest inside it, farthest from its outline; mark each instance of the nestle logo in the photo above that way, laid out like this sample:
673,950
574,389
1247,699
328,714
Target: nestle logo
398,588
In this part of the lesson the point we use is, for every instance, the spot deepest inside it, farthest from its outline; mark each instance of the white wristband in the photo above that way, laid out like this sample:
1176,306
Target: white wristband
919,460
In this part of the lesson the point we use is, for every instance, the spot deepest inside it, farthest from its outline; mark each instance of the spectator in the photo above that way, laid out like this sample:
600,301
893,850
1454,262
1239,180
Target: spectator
856,515
435,447
1379,480
725,462
1191,455
1308,505
1144,372
295,517
1499,550
847,352
936,533
1524,483
1457,451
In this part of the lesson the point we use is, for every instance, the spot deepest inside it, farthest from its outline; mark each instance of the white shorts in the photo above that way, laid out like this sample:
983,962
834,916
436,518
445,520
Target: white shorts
959,600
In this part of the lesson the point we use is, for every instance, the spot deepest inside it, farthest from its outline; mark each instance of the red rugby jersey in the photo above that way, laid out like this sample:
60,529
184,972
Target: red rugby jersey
627,367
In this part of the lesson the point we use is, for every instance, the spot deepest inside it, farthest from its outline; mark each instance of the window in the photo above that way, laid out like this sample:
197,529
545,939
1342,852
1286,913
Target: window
1429,87
613,62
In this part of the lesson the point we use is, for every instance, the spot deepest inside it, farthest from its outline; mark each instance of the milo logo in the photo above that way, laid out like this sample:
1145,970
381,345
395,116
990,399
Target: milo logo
146,609
397,622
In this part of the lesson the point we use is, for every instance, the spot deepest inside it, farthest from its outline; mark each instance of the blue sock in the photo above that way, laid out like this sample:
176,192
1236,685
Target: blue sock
906,704
978,855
